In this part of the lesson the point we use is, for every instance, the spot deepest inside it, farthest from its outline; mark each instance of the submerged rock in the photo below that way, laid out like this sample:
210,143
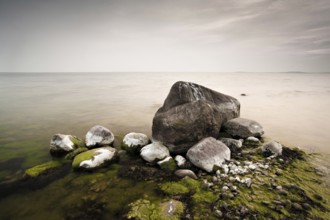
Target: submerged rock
154,152
143,209
43,169
208,153
243,128
99,136
133,142
61,144
272,148
190,113
94,158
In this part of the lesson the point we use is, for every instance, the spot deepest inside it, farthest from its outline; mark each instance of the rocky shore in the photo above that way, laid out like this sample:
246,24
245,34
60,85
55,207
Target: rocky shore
202,162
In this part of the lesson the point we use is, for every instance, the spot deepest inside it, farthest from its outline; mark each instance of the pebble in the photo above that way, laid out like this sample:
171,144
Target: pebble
218,213
225,188
306,206
297,206
248,182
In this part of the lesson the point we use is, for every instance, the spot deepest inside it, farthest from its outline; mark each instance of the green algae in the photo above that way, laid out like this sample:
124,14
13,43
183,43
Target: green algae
143,209
169,165
43,168
173,188
73,154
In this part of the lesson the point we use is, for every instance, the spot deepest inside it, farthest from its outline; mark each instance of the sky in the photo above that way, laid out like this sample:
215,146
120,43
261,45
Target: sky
164,35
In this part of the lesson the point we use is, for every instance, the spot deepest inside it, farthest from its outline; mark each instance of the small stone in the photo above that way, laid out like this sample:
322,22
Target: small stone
218,213
297,206
234,188
248,182
318,197
180,161
283,192
225,188
214,179
306,206
185,173
231,196
266,203
279,187
252,167
278,208
218,172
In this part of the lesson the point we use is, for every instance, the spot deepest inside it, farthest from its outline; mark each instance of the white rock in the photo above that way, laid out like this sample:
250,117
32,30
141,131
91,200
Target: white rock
248,182
135,140
165,160
253,139
225,188
252,167
101,155
180,161
99,136
218,172
61,142
154,152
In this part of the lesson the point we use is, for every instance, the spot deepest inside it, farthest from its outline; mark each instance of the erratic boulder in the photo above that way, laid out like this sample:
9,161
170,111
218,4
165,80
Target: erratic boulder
208,153
190,113
243,128
95,158
61,144
99,136
154,152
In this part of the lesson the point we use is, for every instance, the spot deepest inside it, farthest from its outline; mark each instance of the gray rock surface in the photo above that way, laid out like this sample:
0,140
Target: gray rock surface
154,152
190,113
272,147
207,153
99,136
243,128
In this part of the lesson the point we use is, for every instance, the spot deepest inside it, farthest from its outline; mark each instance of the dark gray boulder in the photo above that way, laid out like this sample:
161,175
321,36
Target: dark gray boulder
243,128
190,113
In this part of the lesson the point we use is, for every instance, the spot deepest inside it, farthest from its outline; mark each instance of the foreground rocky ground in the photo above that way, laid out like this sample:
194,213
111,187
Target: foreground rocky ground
203,162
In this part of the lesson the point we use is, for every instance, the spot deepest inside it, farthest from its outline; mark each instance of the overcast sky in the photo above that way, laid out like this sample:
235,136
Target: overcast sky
164,35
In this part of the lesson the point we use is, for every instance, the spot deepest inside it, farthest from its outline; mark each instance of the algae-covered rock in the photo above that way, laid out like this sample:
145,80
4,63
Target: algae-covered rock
61,144
251,142
74,153
208,153
167,164
133,142
94,158
143,209
154,152
243,128
43,169
99,136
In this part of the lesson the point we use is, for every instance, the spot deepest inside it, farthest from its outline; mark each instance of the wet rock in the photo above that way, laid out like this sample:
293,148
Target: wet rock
272,148
233,144
208,153
133,142
185,173
95,158
61,144
154,152
251,142
243,128
190,113
167,164
99,136
180,161
43,169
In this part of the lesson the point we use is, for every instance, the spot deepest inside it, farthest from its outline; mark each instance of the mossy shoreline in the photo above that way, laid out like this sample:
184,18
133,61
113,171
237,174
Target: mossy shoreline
292,188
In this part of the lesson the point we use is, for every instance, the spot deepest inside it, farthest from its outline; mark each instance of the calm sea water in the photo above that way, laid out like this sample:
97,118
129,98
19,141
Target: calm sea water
292,107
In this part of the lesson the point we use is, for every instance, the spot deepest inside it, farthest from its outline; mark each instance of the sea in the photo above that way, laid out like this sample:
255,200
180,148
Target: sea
293,108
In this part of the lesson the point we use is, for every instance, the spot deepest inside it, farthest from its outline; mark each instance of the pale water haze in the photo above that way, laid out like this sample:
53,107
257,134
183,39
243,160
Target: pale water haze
292,107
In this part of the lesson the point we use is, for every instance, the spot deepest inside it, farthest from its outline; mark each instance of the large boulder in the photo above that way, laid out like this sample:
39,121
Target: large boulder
61,144
190,113
208,153
154,152
95,158
99,136
243,128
